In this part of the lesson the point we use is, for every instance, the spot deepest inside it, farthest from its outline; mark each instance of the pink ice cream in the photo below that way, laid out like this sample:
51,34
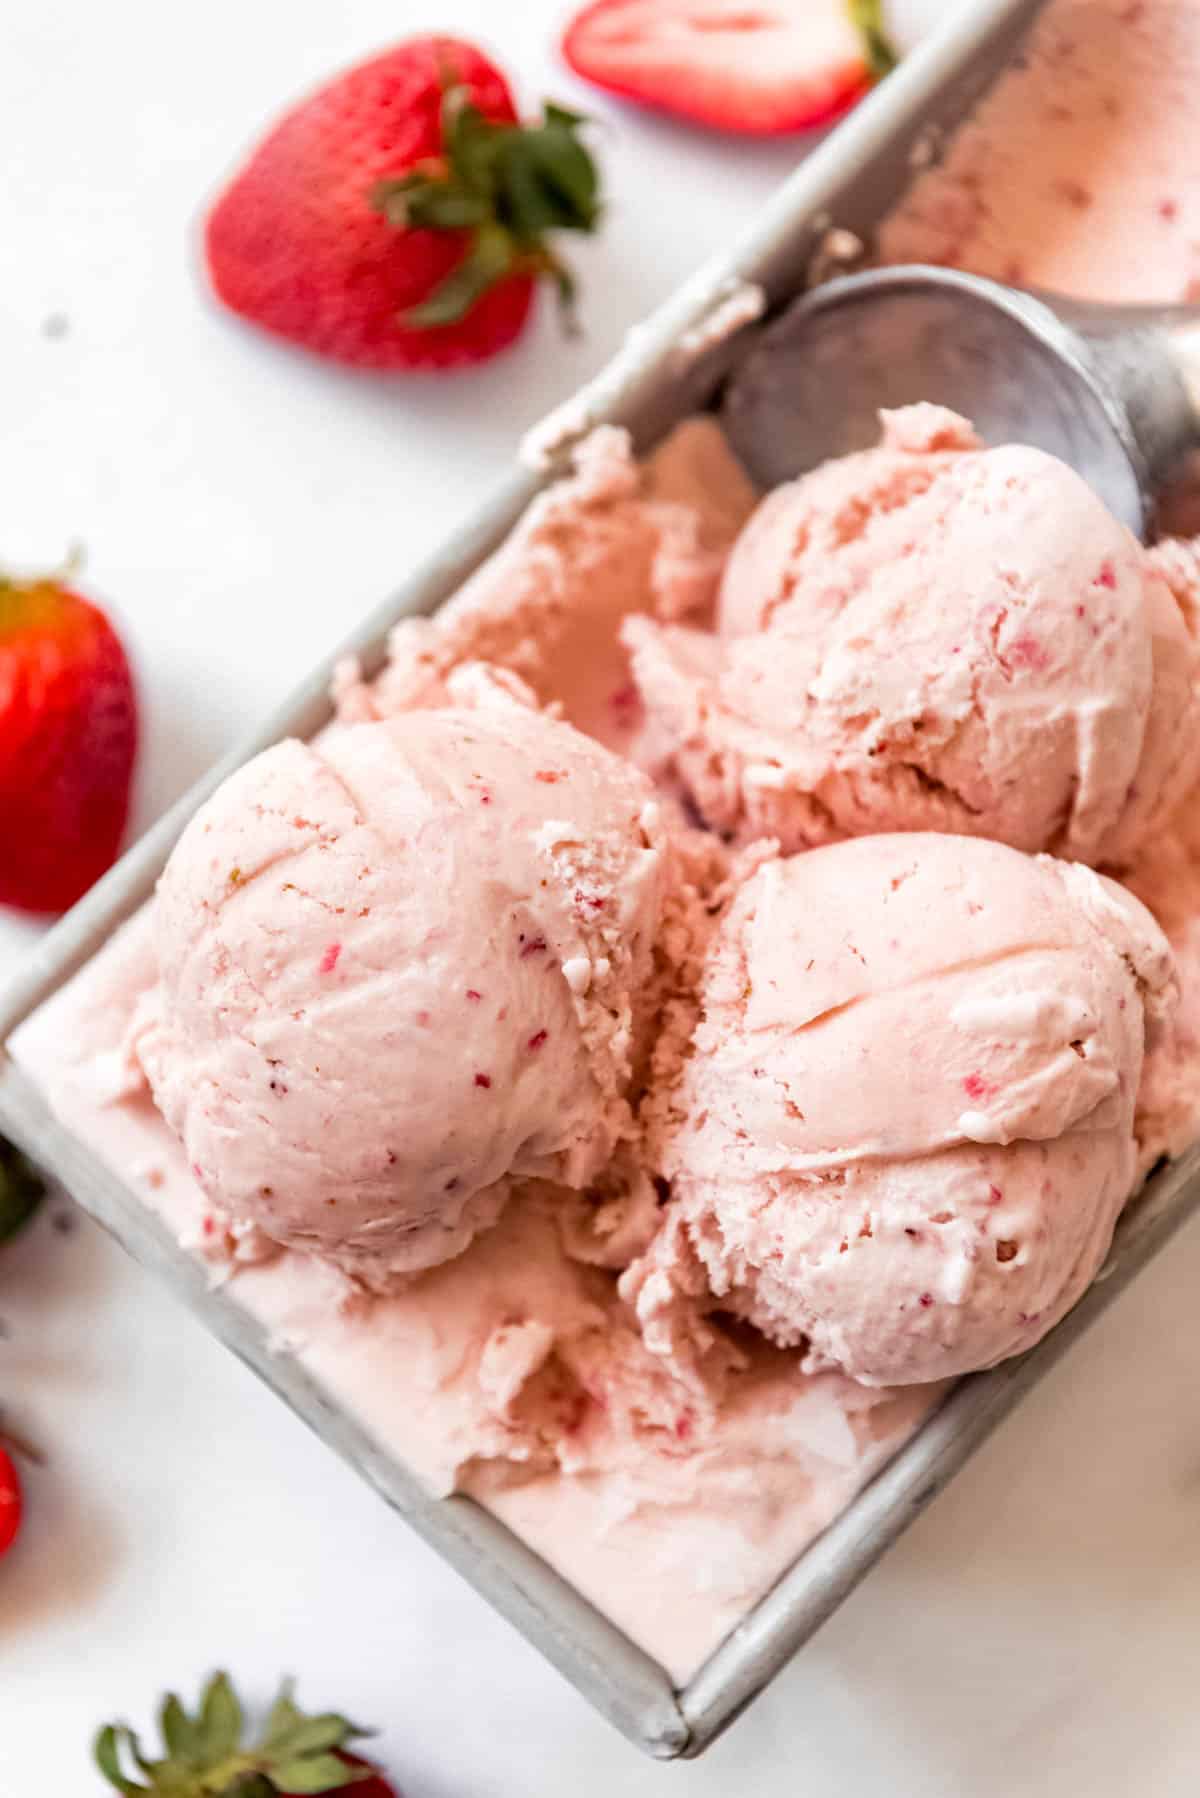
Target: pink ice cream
1166,875
930,635
1077,172
670,1491
615,537
905,1132
669,1466
400,969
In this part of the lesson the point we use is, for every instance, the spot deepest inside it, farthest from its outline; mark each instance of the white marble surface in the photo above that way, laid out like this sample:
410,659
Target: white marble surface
1035,1634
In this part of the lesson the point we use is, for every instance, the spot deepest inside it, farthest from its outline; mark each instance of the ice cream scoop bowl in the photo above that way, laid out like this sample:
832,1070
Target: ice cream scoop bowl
1110,390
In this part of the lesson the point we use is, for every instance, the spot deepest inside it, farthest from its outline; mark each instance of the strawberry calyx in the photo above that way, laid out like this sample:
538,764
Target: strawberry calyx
878,53
206,1756
22,1188
507,187
32,602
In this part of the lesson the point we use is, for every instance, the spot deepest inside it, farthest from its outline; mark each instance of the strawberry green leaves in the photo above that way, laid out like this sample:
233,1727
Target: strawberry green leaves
296,1754
880,57
509,186
21,1190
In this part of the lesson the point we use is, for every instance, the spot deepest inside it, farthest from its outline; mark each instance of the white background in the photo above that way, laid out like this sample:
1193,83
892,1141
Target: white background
239,506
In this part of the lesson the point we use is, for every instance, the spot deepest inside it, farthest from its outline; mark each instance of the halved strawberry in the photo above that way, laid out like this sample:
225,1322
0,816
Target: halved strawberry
755,66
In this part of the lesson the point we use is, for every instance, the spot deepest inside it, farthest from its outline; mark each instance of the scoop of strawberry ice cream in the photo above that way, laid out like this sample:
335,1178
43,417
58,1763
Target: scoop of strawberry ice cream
931,636
398,969
905,1131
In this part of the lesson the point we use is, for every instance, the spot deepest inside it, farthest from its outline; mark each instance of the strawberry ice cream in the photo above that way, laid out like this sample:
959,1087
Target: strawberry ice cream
521,1304
399,970
647,1192
931,636
670,1489
908,1205
615,538
1077,171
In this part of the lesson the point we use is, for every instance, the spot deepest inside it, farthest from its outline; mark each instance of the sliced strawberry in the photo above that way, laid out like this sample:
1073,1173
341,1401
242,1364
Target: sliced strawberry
755,66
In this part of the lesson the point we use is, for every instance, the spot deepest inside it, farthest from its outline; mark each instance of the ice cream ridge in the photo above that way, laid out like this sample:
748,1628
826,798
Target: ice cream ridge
401,970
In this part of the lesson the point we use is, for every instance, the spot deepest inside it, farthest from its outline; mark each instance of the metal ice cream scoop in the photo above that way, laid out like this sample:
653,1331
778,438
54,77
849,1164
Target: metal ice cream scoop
1112,390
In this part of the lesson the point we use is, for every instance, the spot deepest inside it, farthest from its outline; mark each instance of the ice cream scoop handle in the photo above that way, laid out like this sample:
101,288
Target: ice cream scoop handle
1150,364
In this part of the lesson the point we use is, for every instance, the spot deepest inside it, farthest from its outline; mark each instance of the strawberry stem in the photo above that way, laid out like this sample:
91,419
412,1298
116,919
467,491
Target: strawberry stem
206,1755
507,187
867,16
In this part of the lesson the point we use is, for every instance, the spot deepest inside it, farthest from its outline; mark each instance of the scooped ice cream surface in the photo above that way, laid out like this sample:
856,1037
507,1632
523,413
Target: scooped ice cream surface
399,968
906,1130
932,636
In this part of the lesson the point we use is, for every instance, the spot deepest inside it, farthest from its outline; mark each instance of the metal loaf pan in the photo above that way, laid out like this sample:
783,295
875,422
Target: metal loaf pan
850,180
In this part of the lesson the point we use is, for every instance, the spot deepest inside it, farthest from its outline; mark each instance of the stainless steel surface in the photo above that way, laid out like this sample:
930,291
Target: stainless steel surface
1103,388
851,179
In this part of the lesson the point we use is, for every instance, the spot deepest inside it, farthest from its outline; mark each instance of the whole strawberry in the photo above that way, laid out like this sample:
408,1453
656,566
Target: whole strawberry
68,738
398,217
206,1755
22,1190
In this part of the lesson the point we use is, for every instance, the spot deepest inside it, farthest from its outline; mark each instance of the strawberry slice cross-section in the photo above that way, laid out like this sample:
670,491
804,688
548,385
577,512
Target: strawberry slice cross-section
753,66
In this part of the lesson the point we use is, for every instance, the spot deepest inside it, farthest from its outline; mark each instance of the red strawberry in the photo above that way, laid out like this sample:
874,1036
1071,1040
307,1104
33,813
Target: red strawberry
757,66
68,737
398,216
10,1501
